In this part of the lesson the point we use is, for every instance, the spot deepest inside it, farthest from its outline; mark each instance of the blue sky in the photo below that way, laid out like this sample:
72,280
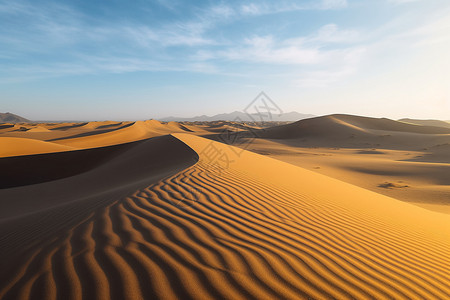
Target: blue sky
96,60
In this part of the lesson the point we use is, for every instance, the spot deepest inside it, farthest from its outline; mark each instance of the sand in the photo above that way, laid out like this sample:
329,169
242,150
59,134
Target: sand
155,210
369,153
10,146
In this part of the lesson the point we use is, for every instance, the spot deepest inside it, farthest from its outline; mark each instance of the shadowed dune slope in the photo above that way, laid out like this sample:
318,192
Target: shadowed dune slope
6,126
32,211
256,228
32,169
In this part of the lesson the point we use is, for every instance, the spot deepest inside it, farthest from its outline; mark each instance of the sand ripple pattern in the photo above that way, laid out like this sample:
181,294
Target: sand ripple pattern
197,235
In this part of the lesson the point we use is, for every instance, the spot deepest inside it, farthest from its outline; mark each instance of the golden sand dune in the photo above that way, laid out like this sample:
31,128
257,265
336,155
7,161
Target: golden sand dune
100,124
138,130
425,174
127,133
158,220
46,138
11,146
38,129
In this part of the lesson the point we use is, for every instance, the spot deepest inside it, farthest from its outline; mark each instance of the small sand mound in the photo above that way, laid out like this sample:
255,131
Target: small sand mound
39,129
370,152
98,124
178,126
392,185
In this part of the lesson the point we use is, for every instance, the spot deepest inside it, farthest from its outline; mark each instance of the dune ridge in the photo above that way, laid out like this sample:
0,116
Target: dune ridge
138,130
344,126
258,229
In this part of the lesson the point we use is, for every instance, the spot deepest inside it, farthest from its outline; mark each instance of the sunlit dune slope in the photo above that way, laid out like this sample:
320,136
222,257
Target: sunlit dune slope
235,225
10,146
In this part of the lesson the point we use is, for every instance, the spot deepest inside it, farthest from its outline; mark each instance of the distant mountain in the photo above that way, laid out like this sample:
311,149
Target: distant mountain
241,116
12,118
436,123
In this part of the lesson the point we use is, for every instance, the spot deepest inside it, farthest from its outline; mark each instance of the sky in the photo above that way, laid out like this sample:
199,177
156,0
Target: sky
128,60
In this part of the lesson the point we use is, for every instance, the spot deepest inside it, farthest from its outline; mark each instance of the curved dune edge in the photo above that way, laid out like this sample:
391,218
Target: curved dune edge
139,130
112,135
258,228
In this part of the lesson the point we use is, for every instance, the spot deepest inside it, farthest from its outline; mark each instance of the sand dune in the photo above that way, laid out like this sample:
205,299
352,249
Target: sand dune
161,220
340,146
390,125
426,173
100,124
345,126
39,129
367,152
10,146
436,123
177,126
138,130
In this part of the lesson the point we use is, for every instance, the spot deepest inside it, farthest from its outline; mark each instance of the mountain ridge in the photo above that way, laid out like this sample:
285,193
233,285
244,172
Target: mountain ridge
242,116
12,118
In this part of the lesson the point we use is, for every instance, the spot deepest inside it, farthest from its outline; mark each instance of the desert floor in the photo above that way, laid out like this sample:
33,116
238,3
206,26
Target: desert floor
334,207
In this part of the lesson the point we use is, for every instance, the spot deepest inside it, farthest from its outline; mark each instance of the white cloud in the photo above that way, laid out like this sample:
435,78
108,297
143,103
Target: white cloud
327,34
331,33
303,50
252,9
403,1
323,78
180,35
265,8
333,4
265,49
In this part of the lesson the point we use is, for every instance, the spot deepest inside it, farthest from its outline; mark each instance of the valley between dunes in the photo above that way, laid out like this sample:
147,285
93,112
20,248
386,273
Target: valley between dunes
152,210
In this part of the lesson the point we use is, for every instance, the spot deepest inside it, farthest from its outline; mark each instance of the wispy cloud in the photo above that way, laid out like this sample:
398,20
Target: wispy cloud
59,39
312,59
403,1
323,78
264,7
54,27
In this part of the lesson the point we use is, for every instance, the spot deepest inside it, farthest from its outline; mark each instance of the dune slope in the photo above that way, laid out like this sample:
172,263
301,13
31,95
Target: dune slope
344,126
13,146
254,228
